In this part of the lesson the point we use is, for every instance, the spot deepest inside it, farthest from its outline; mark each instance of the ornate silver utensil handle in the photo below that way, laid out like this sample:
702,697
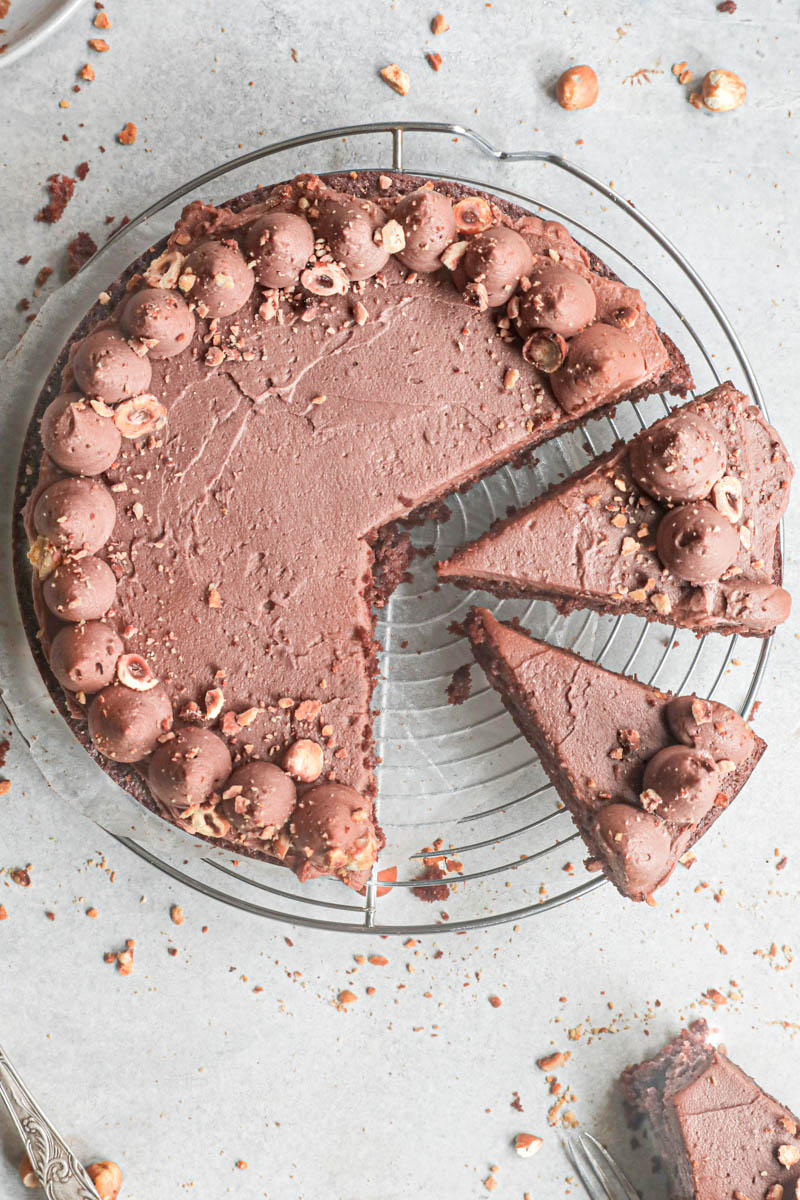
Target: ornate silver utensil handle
61,1175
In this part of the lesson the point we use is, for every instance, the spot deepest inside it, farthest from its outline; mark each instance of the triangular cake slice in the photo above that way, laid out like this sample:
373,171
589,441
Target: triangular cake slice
644,774
720,1136
678,525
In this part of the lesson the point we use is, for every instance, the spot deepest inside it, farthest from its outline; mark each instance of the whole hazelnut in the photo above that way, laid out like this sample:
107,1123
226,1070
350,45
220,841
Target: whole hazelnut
27,1174
303,760
107,1179
577,87
723,91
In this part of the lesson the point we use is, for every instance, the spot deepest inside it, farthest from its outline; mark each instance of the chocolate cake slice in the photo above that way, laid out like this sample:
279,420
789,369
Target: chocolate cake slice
719,1135
643,773
679,525
227,451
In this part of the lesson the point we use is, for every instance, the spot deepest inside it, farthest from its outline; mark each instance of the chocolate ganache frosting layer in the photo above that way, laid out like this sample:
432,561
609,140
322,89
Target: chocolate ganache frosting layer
644,774
679,525
718,1133
271,438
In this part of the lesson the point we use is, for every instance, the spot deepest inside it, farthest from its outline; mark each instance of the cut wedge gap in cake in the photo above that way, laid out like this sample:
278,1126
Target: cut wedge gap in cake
644,774
678,525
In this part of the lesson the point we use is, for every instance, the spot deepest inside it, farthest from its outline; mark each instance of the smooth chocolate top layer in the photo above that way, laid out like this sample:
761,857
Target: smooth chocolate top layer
721,1135
598,733
593,539
281,443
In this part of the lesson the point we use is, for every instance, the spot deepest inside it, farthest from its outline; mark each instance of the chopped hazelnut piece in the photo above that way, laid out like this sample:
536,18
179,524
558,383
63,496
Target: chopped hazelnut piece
728,498
545,350
127,135
551,1061
176,914
99,45
248,716
661,603
325,279
87,72
125,959
527,1144
307,710
396,78
473,214
434,61
788,1156
165,270
476,295
439,24
392,237
702,711
102,21
453,255
135,672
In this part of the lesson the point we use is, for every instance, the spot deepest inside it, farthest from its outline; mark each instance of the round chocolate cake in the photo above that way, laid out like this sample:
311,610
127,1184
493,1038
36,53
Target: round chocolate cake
226,454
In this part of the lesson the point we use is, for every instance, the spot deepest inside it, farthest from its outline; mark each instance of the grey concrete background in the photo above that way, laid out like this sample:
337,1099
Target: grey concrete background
184,1069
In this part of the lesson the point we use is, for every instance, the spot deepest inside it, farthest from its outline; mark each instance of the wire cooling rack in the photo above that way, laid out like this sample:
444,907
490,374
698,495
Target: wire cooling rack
461,781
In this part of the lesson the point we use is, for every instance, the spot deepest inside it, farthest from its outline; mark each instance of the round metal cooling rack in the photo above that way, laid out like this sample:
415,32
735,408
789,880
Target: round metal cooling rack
460,780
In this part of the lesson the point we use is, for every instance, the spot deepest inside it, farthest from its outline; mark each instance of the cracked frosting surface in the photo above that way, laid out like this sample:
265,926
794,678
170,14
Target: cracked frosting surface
732,1131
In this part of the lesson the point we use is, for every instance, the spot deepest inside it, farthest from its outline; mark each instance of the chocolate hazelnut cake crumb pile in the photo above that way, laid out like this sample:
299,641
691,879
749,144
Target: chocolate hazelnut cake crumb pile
227,452
644,774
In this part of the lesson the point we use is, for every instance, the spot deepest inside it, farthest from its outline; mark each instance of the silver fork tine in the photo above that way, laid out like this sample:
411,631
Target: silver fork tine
594,1151
593,1184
